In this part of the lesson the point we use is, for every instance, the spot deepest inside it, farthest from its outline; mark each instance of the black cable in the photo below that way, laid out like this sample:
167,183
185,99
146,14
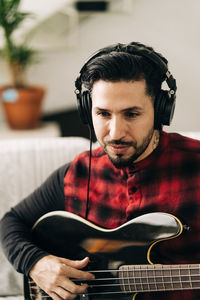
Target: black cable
89,173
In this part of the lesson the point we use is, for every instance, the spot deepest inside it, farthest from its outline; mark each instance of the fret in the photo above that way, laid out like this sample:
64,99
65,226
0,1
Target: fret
144,280
160,279
190,282
147,278
138,281
137,278
180,279
175,277
153,283
130,275
184,276
122,275
150,277
195,276
167,278
125,276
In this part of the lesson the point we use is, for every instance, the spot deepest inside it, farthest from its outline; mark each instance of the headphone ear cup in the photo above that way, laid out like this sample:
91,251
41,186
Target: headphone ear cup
88,108
164,109
80,108
85,107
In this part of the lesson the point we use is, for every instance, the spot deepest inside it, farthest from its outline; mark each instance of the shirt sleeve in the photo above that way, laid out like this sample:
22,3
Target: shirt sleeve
16,225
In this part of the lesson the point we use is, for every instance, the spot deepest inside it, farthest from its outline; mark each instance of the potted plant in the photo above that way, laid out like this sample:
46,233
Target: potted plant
21,102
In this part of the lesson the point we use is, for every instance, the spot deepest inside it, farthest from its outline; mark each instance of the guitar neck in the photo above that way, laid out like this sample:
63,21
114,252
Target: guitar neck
149,278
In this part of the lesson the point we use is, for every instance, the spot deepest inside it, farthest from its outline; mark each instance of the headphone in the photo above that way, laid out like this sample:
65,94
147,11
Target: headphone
164,104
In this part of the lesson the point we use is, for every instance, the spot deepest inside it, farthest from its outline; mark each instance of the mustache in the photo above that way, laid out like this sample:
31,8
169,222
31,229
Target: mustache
120,142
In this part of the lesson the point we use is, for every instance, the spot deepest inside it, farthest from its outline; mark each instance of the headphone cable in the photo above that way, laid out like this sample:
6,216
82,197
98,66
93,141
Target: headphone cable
89,173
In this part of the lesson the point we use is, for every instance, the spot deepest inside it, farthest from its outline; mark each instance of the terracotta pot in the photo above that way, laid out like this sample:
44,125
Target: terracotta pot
22,106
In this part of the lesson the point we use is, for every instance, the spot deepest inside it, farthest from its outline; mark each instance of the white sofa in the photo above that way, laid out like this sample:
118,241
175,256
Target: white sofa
25,164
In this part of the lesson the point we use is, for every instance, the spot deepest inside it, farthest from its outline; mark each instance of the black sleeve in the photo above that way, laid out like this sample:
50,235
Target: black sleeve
15,226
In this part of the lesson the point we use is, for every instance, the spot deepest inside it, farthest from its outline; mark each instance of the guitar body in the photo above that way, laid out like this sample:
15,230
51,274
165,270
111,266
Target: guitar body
67,235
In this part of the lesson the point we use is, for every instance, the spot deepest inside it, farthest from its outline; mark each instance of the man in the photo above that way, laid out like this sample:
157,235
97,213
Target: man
137,169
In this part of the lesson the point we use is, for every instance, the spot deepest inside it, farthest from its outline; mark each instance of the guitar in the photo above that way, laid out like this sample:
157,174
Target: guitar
120,258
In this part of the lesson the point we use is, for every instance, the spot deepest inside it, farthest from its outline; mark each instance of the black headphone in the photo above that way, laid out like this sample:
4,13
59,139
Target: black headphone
165,100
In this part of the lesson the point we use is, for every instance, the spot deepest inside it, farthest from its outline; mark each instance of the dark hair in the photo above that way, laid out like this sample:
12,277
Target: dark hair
122,62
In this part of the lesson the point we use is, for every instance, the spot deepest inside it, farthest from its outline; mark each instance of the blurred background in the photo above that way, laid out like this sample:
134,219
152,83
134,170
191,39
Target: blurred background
66,32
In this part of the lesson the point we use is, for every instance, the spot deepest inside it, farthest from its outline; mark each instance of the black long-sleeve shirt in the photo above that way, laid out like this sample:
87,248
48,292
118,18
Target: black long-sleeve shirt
16,225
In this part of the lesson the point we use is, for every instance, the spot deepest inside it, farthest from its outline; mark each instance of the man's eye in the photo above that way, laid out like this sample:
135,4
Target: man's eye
131,115
103,114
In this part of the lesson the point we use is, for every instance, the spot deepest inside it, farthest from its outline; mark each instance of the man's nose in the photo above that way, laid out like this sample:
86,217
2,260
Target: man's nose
117,128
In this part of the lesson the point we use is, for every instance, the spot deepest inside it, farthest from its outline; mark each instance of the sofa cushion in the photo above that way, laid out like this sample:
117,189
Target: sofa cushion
25,164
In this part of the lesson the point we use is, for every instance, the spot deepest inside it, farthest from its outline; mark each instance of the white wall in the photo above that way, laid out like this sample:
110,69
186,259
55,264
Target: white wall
171,27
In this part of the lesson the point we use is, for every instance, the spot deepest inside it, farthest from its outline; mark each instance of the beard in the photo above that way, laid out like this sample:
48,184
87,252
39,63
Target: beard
118,160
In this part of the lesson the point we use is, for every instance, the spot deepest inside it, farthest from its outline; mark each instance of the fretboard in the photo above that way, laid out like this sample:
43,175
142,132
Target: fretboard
149,278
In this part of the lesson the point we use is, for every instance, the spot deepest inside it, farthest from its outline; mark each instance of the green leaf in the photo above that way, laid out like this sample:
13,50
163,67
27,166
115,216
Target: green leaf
22,55
10,16
19,56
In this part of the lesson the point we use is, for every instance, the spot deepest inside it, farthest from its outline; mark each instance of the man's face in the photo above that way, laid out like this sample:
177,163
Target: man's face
123,119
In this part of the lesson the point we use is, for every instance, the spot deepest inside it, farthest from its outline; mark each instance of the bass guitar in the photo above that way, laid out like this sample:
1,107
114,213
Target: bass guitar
120,258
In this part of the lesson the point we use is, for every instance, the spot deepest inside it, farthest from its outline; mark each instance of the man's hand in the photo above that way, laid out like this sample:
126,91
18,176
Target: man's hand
53,275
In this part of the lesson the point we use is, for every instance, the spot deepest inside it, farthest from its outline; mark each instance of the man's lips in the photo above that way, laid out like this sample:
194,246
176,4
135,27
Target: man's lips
119,148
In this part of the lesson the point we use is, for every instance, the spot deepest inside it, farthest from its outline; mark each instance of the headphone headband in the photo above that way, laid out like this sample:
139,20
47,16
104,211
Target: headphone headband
135,49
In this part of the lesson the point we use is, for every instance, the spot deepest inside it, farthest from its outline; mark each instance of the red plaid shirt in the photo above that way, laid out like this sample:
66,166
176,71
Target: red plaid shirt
168,180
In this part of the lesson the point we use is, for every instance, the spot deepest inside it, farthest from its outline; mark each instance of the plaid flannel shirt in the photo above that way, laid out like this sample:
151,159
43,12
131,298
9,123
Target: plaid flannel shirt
168,180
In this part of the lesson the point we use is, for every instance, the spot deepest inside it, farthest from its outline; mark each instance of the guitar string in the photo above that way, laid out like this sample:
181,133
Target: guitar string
142,290
140,284
164,288
136,277
152,268
125,292
165,269
157,269
142,277
149,269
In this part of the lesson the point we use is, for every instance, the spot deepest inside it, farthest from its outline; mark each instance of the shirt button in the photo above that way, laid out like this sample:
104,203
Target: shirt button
134,189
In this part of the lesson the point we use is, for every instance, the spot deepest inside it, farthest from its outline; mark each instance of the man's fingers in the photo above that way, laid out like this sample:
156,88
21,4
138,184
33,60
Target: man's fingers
63,294
78,274
78,264
72,268
61,278
71,292
74,286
